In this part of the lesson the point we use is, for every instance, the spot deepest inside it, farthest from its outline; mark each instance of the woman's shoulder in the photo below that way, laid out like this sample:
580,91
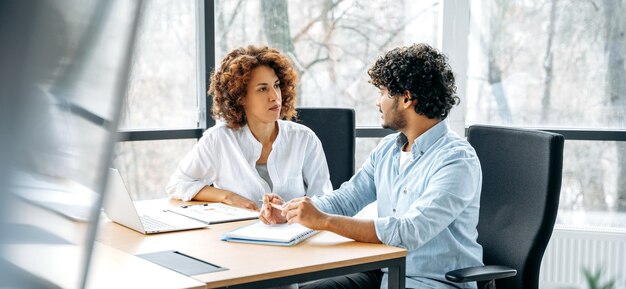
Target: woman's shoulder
294,128
218,131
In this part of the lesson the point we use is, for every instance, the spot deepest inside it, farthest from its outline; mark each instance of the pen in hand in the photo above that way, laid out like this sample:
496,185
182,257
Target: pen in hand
268,215
274,205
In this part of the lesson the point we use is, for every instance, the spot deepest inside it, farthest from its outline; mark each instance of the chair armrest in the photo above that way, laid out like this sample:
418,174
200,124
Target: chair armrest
480,273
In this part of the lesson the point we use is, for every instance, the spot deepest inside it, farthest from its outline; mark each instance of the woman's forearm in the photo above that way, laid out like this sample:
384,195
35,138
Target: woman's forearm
212,194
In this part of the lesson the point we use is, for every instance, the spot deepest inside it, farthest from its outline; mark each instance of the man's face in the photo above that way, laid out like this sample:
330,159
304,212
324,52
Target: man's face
391,115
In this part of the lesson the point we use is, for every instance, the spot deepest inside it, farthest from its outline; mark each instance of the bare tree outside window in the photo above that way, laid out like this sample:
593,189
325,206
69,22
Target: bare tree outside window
161,94
551,63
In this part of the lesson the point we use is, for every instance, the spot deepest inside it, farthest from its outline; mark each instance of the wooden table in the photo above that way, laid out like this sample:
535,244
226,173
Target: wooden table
252,266
112,268
50,251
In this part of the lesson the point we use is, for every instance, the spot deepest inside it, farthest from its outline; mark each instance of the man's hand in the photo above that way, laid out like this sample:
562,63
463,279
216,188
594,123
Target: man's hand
302,211
239,201
269,213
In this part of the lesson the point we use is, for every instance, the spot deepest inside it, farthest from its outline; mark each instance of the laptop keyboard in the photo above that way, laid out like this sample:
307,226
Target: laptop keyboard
150,224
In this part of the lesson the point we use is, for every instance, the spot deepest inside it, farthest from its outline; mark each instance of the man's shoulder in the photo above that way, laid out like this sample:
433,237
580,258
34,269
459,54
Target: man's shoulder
385,146
452,145
386,143
389,140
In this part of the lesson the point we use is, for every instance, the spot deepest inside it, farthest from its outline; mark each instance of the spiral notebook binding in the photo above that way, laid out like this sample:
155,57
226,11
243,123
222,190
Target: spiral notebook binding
303,235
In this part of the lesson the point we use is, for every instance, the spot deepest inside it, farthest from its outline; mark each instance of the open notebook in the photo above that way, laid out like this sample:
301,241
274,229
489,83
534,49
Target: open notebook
215,213
259,233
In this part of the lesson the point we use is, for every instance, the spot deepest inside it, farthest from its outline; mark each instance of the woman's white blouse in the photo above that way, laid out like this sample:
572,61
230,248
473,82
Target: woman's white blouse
226,158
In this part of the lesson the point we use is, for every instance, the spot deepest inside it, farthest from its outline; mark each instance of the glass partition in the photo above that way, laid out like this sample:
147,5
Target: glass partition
62,87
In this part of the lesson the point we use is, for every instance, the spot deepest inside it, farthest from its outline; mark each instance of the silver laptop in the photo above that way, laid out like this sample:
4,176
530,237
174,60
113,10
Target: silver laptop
120,208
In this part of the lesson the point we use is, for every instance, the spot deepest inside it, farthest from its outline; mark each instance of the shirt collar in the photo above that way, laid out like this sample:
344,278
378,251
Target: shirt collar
248,133
426,140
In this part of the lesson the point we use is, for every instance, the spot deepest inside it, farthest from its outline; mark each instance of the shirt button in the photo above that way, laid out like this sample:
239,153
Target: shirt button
404,191
421,153
394,210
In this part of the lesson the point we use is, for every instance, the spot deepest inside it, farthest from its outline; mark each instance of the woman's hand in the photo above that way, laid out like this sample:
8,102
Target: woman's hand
239,201
303,211
270,214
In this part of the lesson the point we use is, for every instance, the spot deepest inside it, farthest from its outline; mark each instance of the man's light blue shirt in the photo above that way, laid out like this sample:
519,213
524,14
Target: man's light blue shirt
430,208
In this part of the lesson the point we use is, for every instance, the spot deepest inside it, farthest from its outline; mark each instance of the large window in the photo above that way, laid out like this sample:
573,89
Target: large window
547,64
163,95
162,89
554,65
147,165
332,42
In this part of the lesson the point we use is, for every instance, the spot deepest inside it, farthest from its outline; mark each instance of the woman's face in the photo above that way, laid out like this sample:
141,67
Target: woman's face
263,100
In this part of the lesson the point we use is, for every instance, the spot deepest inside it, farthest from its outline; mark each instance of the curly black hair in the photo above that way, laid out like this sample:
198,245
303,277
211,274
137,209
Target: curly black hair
422,71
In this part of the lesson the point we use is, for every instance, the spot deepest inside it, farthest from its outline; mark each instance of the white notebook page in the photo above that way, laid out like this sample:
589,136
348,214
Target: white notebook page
277,233
214,213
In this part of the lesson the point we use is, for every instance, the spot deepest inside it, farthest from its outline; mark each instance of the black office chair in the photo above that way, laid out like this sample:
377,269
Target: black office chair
335,129
519,200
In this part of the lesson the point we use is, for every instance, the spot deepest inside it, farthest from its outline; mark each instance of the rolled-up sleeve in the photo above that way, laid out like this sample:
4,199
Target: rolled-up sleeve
195,171
450,189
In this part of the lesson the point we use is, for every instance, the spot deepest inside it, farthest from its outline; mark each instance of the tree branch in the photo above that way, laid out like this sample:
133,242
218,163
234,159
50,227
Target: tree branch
307,27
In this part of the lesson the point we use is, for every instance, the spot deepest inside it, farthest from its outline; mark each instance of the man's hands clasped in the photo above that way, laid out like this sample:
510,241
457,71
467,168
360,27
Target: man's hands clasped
299,210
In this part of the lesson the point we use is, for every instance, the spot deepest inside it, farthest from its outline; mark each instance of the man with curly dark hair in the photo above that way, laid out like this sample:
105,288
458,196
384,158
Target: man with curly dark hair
418,74
252,150
426,179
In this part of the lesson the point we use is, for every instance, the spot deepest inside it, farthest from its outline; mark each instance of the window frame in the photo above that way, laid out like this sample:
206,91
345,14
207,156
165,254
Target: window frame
205,48
453,41
454,23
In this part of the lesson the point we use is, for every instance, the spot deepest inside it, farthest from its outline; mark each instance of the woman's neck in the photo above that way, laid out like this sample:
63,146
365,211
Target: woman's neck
265,133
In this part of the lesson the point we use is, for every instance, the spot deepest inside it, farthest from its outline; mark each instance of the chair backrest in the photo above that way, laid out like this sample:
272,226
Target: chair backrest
335,129
520,195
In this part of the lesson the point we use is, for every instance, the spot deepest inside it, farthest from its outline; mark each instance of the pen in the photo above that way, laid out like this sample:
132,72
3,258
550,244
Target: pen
276,206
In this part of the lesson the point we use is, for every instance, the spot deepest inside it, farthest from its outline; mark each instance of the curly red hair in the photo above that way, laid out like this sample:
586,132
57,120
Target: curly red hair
229,83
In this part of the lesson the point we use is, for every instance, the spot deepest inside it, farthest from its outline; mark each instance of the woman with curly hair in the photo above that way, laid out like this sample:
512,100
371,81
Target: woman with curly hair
252,150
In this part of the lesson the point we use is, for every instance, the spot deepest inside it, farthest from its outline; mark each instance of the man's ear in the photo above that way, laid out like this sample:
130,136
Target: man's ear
407,97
